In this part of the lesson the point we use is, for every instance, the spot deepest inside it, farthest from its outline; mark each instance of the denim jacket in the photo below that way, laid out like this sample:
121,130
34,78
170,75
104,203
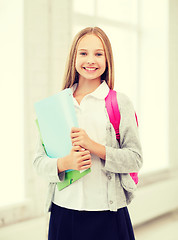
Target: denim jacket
121,159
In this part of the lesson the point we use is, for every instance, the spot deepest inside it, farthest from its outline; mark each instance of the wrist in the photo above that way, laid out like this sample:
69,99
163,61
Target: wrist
98,149
92,146
62,164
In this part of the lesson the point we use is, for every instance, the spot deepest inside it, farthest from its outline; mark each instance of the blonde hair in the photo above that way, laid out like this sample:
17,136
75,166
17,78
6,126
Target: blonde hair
71,75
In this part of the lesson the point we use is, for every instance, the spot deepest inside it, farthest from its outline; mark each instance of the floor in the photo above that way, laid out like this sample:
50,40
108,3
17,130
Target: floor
164,228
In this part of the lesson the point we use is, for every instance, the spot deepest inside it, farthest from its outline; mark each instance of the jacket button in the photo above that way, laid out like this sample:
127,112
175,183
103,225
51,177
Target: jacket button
109,177
111,202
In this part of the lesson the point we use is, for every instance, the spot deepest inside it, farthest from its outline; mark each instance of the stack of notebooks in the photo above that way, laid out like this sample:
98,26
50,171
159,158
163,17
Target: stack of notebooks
55,118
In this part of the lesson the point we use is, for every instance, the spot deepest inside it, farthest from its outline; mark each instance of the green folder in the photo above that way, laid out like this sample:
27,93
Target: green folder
71,175
55,116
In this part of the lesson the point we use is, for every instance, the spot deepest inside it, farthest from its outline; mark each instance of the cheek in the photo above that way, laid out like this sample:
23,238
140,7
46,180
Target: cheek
103,64
78,63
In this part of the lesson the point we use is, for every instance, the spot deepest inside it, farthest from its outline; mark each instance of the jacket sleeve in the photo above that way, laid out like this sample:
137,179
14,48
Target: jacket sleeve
46,166
127,158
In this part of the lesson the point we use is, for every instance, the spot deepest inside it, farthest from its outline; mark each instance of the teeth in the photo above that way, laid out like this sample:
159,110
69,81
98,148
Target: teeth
90,69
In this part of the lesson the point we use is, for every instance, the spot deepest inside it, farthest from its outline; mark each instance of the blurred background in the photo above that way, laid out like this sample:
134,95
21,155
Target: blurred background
35,37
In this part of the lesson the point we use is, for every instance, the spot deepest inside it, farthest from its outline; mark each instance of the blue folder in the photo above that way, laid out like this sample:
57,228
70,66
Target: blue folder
55,118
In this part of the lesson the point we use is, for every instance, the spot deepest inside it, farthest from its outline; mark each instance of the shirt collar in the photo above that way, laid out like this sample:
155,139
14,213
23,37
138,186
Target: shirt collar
100,92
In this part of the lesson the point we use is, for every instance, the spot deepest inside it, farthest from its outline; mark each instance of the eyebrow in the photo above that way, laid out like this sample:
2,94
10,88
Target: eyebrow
86,49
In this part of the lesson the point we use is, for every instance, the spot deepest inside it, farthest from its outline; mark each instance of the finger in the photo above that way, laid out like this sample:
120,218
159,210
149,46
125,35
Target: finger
76,143
74,135
83,149
75,129
76,148
76,139
85,167
86,157
86,163
85,152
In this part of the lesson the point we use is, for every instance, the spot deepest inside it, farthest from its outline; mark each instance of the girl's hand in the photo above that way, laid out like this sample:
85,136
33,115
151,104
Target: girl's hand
80,138
78,159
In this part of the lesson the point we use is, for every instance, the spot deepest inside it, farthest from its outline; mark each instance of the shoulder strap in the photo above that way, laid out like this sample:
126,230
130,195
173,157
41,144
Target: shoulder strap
115,117
113,111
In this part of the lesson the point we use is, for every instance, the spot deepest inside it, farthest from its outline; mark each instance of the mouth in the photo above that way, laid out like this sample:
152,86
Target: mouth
90,69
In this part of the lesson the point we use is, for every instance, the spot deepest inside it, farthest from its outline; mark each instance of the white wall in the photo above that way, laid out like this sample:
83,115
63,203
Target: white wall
158,194
47,34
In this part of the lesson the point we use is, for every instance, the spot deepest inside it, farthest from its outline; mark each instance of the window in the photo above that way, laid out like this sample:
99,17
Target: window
138,31
11,103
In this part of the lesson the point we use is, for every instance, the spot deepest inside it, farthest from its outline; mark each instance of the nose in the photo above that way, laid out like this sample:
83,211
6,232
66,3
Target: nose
90,59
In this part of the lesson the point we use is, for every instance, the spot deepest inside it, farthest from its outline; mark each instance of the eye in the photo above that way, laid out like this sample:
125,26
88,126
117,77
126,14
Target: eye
99,54
83,53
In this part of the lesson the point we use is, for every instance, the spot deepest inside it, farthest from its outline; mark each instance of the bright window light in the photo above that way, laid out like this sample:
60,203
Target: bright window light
11,102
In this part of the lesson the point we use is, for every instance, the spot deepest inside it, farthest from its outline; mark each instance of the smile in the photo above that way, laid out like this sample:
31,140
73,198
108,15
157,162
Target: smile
90,69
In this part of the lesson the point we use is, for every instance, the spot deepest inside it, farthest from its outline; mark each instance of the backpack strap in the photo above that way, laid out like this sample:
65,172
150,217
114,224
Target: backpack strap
136,119
115,118
113,111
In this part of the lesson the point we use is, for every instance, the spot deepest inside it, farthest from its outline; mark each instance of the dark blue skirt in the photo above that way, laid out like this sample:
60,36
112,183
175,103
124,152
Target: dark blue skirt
67,224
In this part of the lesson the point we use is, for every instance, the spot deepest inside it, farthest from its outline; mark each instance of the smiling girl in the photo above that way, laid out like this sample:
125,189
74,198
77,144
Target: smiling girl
95,206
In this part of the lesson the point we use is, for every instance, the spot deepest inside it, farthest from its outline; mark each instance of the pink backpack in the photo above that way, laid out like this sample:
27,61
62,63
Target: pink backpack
115,117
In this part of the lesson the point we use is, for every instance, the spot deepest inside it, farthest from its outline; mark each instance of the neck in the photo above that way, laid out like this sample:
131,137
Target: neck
87,86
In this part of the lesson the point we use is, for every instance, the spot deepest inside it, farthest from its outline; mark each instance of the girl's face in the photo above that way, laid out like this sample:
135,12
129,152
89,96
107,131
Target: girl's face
90,58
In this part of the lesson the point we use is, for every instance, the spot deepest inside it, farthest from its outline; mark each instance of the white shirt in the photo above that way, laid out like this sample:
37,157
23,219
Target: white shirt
89,192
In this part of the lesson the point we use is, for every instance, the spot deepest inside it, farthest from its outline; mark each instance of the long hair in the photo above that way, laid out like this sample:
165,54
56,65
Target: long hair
71,75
